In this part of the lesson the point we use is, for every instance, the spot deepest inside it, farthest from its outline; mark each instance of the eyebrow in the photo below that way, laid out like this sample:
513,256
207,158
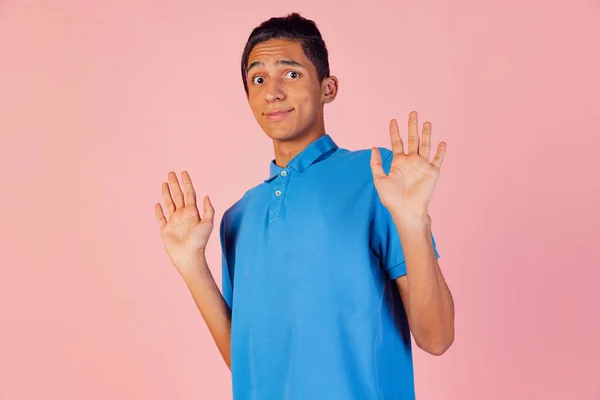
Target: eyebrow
290,62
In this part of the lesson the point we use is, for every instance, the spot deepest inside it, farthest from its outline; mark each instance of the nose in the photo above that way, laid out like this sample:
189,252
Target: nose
274,91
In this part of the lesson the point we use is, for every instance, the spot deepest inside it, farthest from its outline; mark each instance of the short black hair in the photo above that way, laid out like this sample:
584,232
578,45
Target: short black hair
292,27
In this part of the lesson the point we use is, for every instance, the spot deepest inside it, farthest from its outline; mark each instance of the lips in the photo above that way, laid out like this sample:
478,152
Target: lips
278,115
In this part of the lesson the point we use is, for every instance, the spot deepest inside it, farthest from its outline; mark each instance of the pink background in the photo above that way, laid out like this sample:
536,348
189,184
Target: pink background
99,100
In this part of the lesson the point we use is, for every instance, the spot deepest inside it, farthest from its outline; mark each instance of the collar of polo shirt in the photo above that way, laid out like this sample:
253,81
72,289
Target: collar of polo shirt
311,154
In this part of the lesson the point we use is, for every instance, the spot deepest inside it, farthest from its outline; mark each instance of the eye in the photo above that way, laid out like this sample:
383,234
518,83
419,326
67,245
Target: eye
257,80
293,74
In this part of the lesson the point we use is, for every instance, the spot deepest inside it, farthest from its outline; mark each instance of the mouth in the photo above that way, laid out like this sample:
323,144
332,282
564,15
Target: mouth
278,115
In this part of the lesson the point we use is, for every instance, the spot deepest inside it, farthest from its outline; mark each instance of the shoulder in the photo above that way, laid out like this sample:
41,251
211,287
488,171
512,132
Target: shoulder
361,158
355,165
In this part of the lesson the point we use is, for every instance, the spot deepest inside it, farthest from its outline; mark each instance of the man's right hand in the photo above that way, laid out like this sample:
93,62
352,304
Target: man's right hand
185,234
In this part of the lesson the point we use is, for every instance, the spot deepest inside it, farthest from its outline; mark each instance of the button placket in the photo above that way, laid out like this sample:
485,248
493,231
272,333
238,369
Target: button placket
278,195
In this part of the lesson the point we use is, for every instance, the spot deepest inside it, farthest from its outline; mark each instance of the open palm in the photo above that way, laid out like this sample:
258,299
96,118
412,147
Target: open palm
408,187
185,235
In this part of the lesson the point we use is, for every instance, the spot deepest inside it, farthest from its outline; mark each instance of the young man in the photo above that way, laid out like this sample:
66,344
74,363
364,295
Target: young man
329,264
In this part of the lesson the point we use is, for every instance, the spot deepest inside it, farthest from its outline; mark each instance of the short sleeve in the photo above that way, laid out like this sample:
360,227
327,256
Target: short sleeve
226,281
384,237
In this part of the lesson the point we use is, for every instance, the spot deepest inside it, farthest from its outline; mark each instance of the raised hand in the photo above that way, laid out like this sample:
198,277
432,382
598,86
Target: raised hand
408,188
184,234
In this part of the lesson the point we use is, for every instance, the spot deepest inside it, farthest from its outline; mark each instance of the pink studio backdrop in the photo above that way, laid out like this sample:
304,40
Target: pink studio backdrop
99,100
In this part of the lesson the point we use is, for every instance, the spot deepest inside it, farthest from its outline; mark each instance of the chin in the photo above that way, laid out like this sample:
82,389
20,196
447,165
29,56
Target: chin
282,135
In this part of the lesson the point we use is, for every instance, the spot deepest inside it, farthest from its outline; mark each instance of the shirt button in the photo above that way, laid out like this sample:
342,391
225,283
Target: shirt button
278,193
283,173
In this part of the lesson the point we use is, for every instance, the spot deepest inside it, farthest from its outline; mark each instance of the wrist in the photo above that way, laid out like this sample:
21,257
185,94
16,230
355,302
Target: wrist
192,265
406,221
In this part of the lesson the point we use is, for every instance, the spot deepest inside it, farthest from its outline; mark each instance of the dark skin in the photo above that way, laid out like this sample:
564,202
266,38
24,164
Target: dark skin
281,78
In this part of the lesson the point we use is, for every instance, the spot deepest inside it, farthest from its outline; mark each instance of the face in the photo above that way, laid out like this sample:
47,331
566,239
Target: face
284,91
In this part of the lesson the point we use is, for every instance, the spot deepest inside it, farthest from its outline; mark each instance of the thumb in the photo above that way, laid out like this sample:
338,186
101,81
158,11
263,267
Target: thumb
376,167
209,210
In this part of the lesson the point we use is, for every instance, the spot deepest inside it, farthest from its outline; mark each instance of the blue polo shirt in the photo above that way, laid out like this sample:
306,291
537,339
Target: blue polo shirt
309,259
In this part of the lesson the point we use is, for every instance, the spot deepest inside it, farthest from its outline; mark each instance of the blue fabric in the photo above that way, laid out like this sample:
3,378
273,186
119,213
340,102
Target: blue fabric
309,259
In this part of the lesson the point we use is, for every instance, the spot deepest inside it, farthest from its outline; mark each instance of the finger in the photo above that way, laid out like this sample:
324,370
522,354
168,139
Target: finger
169,205
209,210
397,144
160,216
376,167
439,155
176,192
413,133
425,150
188,188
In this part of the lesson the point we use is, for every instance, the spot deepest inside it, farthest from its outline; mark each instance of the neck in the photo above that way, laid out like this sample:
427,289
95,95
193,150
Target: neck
286,150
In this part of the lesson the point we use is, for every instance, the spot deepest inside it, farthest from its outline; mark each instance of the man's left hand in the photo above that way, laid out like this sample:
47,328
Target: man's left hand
408,187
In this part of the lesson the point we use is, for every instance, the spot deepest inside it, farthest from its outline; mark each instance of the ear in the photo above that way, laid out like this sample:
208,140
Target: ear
330,87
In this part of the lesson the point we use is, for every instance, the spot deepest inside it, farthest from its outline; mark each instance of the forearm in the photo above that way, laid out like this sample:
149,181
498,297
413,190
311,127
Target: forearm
430,301
212,306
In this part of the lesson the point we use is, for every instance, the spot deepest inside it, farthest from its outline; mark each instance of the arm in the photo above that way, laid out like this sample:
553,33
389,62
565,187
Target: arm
406,191
425,295
185,236
212,306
